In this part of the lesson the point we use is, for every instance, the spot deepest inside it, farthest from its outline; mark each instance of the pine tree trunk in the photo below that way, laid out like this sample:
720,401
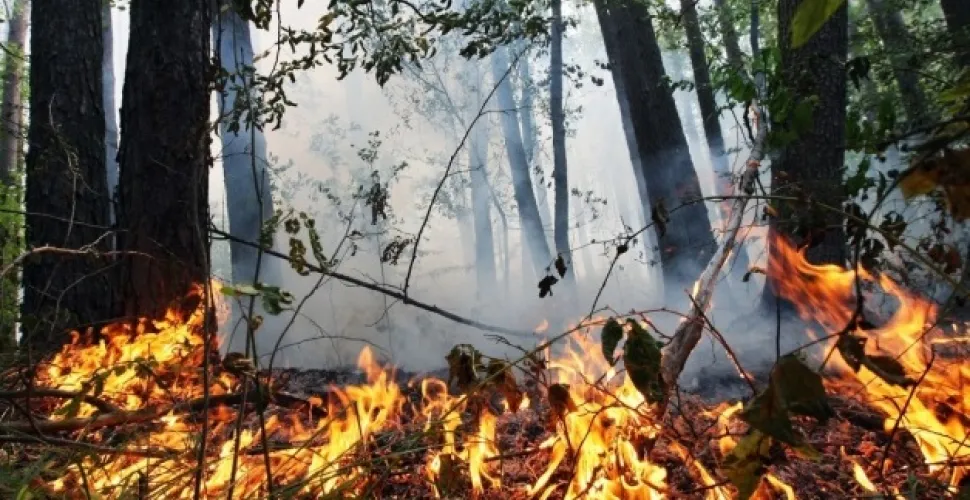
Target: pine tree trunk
164,158
560,177
481,212
12,110
895,39
533,235
66,197
957,15
687,241
812,164
249,198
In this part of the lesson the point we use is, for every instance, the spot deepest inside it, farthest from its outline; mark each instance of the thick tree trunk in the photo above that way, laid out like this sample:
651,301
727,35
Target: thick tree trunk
732,49
248,195
560,176
533,235
895,39
812,164
110,111
12,110
530,140
957,15
66,197
686,242
163,195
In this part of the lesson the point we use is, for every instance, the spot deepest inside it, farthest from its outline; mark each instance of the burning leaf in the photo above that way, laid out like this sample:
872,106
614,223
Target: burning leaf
560,266
545,286
752,270
611,335
951,171
238,364
768,414
463,362
744,465
852,349
801,388
641,356
560,402
660,217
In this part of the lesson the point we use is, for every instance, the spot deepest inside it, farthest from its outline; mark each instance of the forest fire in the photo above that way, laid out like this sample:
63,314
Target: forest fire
581,427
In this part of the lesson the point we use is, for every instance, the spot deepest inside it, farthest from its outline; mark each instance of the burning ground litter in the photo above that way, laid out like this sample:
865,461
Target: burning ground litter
122,417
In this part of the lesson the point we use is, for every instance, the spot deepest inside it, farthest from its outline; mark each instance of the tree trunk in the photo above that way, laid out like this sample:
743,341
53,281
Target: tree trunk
12,110
560,176
725,19
812,164
957,15
686,241
481,212
533,235
530,140
248,195
164,185
66,197
895,39
110,112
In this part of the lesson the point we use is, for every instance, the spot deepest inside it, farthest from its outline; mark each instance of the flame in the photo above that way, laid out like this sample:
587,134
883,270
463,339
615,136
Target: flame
601,433
933,411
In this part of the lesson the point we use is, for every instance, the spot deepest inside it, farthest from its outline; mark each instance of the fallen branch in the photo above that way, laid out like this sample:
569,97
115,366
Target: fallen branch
98,403
688,333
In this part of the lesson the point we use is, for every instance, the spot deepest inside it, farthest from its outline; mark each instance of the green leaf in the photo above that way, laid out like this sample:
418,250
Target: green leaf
610,337
810,17
801,388
744,465
641,356
768,414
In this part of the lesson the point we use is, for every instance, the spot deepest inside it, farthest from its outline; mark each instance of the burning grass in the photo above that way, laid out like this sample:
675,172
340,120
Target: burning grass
123,417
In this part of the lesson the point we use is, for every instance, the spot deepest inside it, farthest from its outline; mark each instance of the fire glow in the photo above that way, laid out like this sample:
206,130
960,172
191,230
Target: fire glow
600,435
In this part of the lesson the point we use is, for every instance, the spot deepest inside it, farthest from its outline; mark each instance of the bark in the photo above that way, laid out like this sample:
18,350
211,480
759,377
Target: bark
12,110
957,15
66,193
812,164
895,39
729,35
687,242
163,195
533,235
110,111
248,195
530,139
560,176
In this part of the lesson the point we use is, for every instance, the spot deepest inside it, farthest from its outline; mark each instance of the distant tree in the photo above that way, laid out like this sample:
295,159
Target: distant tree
560,177
729,35
685,239
164,187
897,42
249,199
66,197
811,165
110,111
957,15
533,235
11,110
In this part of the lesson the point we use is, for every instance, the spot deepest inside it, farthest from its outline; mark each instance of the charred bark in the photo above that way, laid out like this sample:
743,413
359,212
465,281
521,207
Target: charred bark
66,196
164,159
532,232
811,166
12,110
686,240
957,15
560,177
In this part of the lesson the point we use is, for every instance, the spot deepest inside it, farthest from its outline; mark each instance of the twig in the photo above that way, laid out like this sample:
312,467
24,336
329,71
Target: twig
902,414
386,291
106,450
